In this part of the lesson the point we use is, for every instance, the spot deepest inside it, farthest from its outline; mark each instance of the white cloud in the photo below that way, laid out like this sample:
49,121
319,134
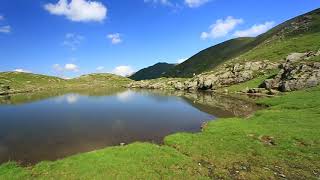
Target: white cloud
5,29
22,70
123,70
72,41
100,68
78,10
163,2
66,67
115,38
255,30
195,3
71,67
181,60
221,28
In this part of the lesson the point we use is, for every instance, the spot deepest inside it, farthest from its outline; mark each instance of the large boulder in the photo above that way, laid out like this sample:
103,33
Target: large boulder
295,74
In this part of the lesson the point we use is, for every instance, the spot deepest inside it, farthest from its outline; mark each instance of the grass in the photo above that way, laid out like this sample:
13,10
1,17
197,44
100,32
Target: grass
254,83
279,49
280,141
27,82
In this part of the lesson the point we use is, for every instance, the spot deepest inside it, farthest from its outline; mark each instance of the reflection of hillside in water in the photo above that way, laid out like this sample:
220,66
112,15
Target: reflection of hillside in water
210,103
217,104
72,95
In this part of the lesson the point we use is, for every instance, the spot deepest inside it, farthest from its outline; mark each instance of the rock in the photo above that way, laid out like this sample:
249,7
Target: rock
227,75
258,91
179,86
295,74
293,57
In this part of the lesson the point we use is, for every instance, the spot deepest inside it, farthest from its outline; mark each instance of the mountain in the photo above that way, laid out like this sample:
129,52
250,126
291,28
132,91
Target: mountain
152,72
211,57
300,34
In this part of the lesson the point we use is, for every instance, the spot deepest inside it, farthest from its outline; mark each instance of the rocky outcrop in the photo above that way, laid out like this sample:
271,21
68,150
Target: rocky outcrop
296,73
4,89
161,83
227,75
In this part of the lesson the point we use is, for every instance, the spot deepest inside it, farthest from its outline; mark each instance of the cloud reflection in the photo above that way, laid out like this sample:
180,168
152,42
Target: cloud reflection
125,96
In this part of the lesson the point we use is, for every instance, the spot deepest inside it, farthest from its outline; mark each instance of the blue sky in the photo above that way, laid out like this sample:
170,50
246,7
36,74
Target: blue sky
73,37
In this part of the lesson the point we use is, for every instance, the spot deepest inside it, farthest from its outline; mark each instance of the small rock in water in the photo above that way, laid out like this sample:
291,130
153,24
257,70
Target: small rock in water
122,144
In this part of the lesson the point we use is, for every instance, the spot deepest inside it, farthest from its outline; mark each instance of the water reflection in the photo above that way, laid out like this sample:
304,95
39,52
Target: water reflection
125,96
51,125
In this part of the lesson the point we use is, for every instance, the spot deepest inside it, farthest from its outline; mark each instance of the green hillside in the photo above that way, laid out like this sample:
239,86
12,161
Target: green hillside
152,72
300,34
211,57
100,79
17,82
24,82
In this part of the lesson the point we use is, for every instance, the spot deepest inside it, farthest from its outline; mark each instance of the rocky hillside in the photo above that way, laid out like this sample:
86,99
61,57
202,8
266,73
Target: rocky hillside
300,34
152,72
291,48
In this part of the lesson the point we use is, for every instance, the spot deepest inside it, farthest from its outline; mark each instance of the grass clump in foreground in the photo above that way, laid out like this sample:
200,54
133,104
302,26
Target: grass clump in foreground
281,141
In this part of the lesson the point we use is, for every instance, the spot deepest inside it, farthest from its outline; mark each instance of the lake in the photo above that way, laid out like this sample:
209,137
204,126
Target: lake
52,125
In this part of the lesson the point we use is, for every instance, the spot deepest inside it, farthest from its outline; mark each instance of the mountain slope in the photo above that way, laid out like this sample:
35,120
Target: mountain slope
211,57
299,34
152,72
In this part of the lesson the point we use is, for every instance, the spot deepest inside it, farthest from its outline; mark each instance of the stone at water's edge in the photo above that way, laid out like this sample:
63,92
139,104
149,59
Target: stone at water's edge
295,74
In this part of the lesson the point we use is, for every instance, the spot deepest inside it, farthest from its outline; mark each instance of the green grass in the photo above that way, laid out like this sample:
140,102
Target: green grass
235,147
315,59
27,82
211,57
282,140
135,161
279,49
254,83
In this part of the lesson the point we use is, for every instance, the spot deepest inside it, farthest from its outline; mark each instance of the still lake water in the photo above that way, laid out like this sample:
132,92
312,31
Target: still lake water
53,125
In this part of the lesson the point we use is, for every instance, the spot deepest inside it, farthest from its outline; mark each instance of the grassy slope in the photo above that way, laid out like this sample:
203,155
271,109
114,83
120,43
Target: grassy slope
211,57
100,79
156,71
299,34
282,140
285,38
27,82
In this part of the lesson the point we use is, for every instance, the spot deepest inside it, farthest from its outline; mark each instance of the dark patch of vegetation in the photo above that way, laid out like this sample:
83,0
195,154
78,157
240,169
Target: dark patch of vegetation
153,72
